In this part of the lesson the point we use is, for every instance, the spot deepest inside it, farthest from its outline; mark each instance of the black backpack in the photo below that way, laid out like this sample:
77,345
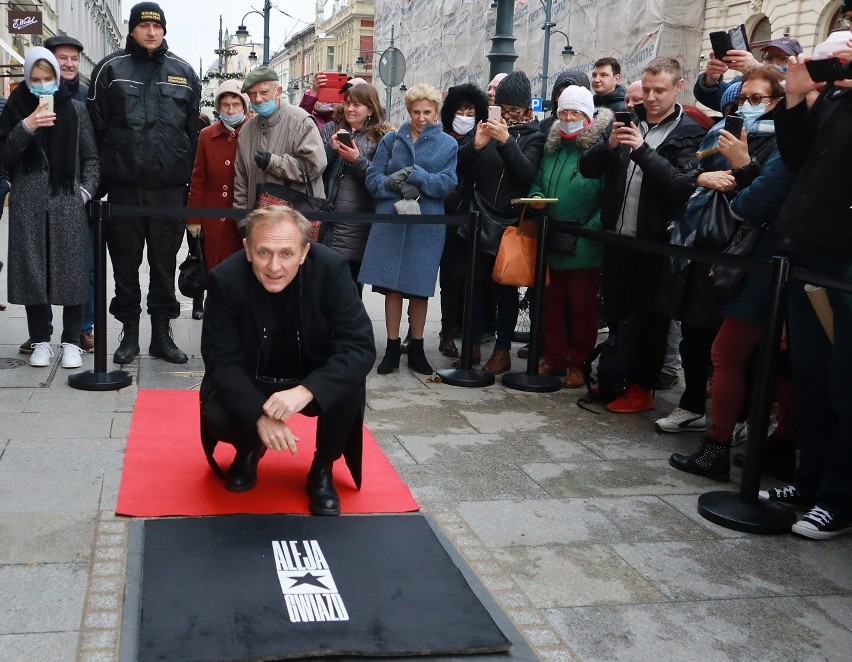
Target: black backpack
615,356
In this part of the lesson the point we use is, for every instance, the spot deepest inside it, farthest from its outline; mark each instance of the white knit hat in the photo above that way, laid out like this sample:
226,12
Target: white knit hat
576,97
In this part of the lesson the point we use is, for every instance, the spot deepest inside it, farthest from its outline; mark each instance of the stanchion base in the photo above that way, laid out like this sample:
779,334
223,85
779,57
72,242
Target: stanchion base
728,510
521,381
89,380
468,378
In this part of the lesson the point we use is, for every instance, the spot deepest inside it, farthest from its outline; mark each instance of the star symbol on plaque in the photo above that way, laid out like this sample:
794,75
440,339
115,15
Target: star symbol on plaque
309,579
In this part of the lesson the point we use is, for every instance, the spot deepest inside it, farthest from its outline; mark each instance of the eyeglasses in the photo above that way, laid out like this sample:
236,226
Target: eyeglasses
511,111
753,99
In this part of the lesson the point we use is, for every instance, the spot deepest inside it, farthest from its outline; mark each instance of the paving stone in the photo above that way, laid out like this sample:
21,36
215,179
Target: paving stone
121,426
416,421
837,607
504,421
39,426
739,568
42,598
687,504
98,639
622,478
564,521
68,400
77,454
53,646
570,575
49,491
46,537
14,400
99,619
463,481
156,373
382,397
706,630
512,448
109,495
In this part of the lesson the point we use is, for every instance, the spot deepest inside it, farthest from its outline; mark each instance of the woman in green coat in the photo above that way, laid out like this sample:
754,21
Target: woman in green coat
570,315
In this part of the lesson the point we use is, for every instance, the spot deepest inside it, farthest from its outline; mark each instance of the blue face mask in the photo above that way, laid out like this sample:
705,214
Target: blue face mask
48,89
232,120
266,108
749,112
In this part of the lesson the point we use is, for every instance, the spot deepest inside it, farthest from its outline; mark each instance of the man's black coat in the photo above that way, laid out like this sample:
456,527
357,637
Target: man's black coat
336,336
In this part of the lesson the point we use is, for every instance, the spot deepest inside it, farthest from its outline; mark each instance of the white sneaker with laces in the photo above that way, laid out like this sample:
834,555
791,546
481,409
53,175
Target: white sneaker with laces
821,524
681,420
72,355
42,354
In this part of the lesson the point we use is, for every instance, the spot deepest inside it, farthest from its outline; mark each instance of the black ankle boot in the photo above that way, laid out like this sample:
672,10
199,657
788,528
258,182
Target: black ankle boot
403,348
447,346
713,460
390,362
198,307
320,489
128,346
417,358
162,344
242,475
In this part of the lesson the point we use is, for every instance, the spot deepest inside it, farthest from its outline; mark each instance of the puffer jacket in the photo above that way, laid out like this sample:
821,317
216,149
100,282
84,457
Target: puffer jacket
145,113
579,197
503,172
349,239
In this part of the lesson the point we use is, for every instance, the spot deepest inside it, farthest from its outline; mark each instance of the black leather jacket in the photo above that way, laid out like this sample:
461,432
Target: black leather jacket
145,112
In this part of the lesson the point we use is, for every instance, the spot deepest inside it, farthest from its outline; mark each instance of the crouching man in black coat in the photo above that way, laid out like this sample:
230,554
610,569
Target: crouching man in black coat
284,332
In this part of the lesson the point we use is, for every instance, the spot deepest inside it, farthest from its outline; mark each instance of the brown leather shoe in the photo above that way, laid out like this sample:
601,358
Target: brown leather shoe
500,361
523,352
475,359
545,368
574,380
87,341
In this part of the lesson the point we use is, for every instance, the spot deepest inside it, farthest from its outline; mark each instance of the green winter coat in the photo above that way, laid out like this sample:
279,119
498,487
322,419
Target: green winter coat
579,198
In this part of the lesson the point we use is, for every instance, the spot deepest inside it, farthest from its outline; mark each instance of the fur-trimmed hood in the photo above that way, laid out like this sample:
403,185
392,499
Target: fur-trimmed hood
461,94
587,137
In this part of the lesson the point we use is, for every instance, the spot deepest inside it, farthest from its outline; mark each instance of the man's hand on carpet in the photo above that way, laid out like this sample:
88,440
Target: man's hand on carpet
276,435
283,404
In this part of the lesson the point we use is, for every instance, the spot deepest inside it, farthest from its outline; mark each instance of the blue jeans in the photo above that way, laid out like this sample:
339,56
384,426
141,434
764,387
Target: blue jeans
822,394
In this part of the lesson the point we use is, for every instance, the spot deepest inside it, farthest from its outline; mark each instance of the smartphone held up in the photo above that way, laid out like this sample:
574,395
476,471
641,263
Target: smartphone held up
46,101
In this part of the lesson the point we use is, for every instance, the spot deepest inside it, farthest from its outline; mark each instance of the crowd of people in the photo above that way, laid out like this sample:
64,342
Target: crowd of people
627,159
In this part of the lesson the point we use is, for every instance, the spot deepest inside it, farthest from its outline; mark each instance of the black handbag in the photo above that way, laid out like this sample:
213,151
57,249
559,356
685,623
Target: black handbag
492,222
718,225
268,194
563,243
728,281
192,273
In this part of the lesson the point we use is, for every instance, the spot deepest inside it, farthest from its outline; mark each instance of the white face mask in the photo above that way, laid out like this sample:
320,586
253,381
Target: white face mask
571,127
462,124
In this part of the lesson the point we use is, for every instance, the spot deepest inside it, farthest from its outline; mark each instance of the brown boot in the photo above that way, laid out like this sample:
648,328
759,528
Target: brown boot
500,361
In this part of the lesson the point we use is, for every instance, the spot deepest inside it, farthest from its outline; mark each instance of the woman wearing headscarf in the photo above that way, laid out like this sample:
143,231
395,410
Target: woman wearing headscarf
53,161
212,183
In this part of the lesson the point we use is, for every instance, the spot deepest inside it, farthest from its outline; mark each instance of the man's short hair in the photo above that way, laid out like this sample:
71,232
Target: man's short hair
275,214
668,64
611,62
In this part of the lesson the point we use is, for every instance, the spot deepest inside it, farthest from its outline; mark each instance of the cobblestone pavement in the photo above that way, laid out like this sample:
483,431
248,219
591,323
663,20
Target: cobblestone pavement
573,520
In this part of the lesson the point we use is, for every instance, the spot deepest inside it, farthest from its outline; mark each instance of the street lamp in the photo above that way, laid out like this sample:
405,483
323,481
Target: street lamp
242,32
567,52
252,58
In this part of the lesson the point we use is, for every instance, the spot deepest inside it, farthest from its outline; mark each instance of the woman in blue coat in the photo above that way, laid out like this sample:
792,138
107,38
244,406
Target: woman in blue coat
416,163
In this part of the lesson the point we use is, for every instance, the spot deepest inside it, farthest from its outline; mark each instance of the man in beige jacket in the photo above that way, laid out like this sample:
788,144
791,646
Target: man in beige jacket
272,142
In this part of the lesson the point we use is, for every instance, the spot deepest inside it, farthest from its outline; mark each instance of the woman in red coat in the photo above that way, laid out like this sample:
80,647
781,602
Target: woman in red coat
213,176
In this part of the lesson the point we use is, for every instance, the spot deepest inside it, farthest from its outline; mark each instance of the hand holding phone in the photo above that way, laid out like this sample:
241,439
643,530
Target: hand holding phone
345,138
734,125
623,116
46,101
494,113
828,70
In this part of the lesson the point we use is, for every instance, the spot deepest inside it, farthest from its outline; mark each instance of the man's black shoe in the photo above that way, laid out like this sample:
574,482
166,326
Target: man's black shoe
128,346
320,488
242,475
162,344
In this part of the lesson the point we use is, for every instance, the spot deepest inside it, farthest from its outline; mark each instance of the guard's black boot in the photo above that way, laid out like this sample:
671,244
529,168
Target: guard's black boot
712,460
320,488
128,345
390,362
162,344
417,358
242,475
198,307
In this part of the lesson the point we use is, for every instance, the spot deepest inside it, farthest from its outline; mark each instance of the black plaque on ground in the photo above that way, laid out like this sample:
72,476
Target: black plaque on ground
265,587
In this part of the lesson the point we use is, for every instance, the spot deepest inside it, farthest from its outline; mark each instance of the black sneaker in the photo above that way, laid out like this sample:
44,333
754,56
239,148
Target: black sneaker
821,524
27,346
786,496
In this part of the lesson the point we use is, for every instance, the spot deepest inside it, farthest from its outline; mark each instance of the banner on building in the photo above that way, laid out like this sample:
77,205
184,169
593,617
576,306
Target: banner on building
25,22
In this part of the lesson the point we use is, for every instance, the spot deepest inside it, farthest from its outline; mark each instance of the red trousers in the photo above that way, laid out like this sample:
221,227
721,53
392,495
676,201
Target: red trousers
570,317
735,343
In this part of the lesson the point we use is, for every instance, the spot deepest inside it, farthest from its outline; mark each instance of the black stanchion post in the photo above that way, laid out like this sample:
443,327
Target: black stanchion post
743,511
530,380
465,375
100,379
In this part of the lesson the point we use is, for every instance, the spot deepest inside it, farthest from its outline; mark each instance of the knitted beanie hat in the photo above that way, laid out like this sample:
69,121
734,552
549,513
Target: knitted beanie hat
731,95
514,90
146,11
579,98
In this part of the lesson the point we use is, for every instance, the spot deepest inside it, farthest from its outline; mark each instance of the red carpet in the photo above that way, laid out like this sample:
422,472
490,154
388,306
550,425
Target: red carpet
165,472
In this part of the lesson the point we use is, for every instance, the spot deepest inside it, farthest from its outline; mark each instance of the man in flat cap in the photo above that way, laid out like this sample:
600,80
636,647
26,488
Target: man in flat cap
274,141
144,103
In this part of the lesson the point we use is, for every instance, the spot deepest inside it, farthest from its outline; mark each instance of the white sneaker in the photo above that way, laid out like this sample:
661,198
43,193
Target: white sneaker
42,354
72,355
681,420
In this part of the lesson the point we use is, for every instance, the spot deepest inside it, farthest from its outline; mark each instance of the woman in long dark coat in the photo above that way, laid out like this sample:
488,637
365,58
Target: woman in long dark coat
53,161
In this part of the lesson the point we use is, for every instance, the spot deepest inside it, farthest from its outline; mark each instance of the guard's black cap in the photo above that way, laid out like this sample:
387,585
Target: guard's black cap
62,40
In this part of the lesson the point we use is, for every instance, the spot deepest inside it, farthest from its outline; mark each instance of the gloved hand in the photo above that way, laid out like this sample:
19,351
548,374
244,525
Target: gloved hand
409,191
262,159
395,179
194,229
